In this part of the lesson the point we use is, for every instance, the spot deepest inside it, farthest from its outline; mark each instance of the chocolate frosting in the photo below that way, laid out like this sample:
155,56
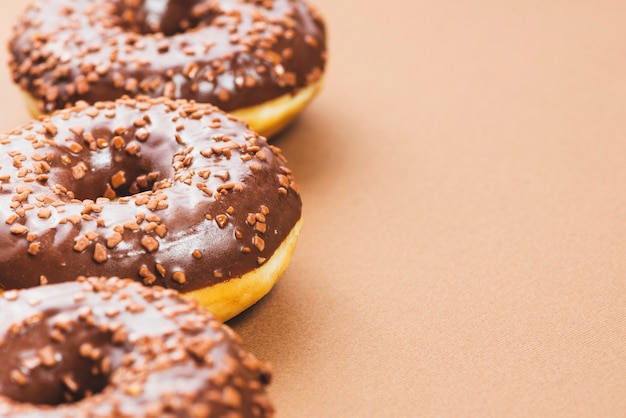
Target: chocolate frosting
232,53
165,192
114,348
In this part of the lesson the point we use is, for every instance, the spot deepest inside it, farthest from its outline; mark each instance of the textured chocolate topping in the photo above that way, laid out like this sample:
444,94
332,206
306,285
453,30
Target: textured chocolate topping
232,53
165,192
114,348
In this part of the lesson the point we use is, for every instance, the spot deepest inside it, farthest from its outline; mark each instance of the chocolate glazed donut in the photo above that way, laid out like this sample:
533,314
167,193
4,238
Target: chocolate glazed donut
245,56
114,348
165,192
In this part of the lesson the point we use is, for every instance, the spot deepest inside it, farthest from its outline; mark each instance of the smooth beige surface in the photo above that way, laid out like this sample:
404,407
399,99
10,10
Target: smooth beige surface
464,182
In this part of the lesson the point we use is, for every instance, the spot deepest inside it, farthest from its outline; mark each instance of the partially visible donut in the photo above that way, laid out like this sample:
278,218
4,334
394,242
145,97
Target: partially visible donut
165,192
114,348
260,59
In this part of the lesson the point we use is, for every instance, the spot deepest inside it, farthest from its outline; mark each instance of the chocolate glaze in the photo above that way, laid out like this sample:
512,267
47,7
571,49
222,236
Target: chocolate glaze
232,53
114,348
165,192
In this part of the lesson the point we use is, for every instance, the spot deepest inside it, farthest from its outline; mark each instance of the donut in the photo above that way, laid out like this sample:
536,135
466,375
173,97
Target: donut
262,60
166,192
102,347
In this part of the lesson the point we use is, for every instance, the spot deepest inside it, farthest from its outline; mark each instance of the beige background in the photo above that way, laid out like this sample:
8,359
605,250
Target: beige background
464,179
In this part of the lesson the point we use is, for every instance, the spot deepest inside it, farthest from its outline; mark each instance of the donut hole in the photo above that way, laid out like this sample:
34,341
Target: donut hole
120,179
113,172
56,366
168,17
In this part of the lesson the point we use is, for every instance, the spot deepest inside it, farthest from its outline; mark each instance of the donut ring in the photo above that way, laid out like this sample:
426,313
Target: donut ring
169,193
262,60
115,348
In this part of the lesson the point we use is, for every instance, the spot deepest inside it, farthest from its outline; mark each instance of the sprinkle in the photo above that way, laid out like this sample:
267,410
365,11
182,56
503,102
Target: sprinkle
149,243
221,220
160,269
118,179
114,239
33,248
47,356
19,229
44,213
179,277
100,255
18,377
70,383
259,243
81,244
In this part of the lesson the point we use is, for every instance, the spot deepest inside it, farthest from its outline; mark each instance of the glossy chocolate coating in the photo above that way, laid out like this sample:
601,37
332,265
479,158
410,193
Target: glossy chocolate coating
230,53
114,348
170,193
